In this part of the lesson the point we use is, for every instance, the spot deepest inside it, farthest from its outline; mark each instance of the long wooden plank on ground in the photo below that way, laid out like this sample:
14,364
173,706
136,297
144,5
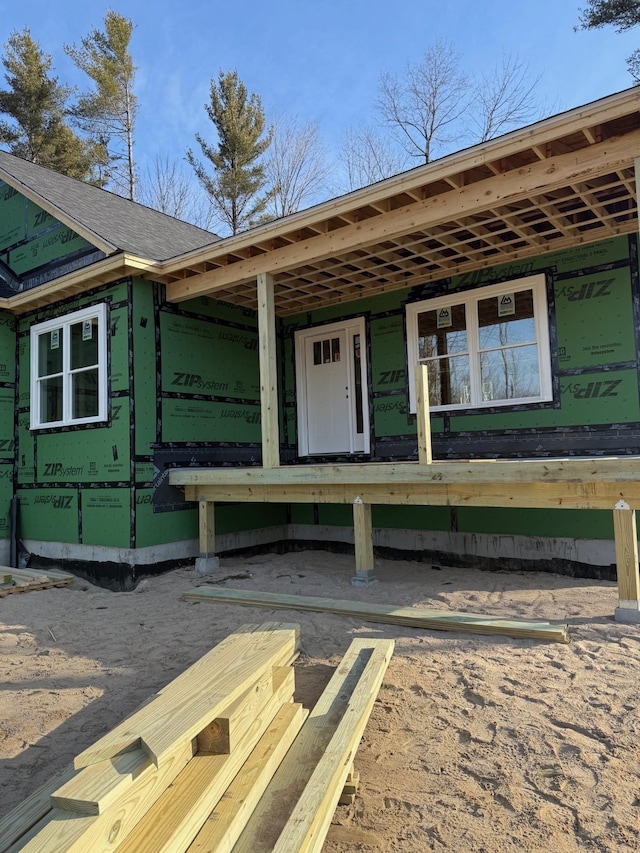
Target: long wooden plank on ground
174,820
20,820
225,823
411,617
64,832
194,699
348,697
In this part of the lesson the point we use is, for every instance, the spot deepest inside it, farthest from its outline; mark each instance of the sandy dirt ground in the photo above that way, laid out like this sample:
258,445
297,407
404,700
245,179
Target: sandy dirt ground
475,743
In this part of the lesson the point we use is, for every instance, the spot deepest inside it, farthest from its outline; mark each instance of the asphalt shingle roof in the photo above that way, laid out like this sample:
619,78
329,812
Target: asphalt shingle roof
127,225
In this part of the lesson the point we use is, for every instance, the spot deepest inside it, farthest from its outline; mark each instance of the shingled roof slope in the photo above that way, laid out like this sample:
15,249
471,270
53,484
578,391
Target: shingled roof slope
125,225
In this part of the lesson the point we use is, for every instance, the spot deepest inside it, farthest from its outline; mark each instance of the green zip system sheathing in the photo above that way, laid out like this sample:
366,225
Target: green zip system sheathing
593,295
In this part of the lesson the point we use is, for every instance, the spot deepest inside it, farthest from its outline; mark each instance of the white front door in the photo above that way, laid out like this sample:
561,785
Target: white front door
331,390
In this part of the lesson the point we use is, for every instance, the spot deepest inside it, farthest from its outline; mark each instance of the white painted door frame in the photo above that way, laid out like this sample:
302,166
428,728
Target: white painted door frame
359,442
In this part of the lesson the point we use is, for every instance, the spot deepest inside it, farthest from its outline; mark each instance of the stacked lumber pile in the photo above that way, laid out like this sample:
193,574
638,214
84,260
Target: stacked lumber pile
27,580
390,614
221,759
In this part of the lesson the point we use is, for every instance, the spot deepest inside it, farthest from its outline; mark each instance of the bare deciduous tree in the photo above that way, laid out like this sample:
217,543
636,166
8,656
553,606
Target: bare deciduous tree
367,157
504,99
169,188
295,166
424,106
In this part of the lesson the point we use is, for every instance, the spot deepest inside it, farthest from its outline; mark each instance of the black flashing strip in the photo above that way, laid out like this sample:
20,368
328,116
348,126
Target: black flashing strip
600,368
170,308
132,420
92,484
209,398
635,292
589,271
158,292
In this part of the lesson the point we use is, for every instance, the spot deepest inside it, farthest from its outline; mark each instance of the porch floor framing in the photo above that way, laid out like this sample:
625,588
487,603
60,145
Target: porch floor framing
611,483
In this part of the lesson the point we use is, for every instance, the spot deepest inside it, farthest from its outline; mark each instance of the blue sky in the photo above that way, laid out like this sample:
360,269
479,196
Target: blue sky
321,61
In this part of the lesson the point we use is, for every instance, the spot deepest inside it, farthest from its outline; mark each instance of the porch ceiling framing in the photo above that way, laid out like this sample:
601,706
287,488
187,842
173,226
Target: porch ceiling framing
564,182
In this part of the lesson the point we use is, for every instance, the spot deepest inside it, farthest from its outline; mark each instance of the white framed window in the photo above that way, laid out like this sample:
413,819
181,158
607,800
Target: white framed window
69,369
486,347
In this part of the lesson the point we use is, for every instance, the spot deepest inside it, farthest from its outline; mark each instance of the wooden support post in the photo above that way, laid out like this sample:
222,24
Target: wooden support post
626,540
207,561
363,538
268,372
425,456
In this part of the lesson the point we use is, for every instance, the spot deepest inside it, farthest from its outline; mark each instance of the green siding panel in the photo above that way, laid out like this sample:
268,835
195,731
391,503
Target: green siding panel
49,515
202,420
89,455
563,523
106,517
6,493
201,357
162,527
145,368
595,320
119,348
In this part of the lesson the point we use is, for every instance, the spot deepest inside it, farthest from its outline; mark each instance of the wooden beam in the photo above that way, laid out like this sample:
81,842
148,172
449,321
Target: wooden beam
268,372
612,469
175,819
412,617
225,733
289,785
626,540
539,135
363,536
226,822
488,493
203,692
27,814
517,184
206,527
307,827
425,455
93,789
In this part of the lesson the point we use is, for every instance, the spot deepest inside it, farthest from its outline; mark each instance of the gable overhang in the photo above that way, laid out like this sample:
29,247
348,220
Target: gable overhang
58,213
565,181
79,282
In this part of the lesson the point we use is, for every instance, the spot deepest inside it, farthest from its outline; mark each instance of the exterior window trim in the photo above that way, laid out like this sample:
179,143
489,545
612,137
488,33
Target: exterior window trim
535,283
65,322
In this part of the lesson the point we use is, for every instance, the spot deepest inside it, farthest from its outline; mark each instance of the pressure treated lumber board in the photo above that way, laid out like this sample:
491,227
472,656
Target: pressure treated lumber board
412,617
93,789
187,705
225,823
307,827
24,580
64,832
20,820
174,820
331,732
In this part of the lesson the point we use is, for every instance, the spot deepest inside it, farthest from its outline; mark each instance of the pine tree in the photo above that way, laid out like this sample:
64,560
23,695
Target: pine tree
238,176
109,111
622,14
35,106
